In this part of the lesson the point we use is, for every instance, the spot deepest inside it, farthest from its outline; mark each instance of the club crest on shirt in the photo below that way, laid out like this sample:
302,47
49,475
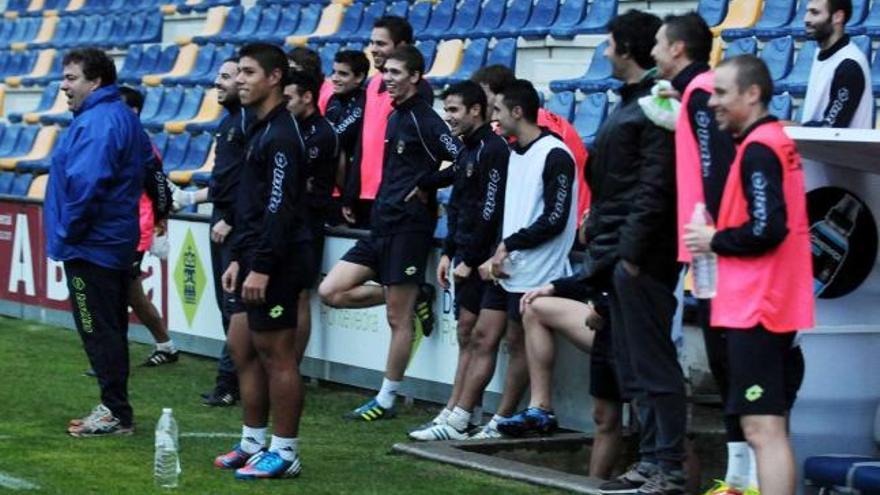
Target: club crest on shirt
401,146
469,170
230,136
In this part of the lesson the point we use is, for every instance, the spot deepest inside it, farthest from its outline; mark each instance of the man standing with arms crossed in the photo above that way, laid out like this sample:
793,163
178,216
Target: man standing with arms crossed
396,251
271,263
91,224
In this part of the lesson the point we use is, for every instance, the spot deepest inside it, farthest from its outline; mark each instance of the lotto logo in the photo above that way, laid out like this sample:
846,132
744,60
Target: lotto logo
276,311
754,393
78,283
411,270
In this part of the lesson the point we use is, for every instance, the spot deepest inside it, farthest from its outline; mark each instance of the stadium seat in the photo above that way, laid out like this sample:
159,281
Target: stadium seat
562,104
490,18
47,98
717,51
182,66
429,50
542,19
473,58
327,52
856,22
832,471
171,103
21,185
503,53
41,67
441,20
596,20
20,63
72,27
189,108
61,30
571,13
197,126
231,23
866,477
209,111
776,14
447,60
43,144
160,142
200,178
266,29
419,15
25,141
132,60
175,152
286,25
590,115
741,46
86,32
778,54
796,80
464,19
309,17
10,138
146,63
204,169
249,24
152,102
196,152
871,26
351,22
864,44
6,180
203,64
781,106
517,16
2,99
740,14
37,189
73,7
331,18
213,25
59,106
42,165
44,35
596,78
25,31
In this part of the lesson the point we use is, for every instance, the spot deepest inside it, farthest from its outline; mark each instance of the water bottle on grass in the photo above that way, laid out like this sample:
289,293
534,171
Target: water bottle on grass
166,466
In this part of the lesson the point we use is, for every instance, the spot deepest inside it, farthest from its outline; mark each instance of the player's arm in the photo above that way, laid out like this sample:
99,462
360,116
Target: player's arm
847,88
492,168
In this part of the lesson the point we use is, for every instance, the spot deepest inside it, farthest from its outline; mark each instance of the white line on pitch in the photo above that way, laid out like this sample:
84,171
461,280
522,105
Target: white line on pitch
203,434
14,483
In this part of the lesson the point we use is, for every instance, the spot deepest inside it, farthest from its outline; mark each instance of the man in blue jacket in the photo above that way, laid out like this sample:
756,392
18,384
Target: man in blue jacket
91,223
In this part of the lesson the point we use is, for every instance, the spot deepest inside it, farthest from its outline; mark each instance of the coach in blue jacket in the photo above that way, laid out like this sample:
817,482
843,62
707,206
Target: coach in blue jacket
91,224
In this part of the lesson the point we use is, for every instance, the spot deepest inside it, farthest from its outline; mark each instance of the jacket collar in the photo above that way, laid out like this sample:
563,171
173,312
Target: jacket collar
758,123
681,81
831,50
477,135
258,124
629,91
105,94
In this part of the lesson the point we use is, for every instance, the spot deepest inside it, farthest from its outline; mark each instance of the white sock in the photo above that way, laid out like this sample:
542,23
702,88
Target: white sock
737,465
493,423
168,347
477,416
442,416
753,470
287,448
252,439
458,419
387,393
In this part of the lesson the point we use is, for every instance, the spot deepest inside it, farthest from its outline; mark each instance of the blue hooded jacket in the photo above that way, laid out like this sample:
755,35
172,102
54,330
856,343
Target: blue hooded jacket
95,182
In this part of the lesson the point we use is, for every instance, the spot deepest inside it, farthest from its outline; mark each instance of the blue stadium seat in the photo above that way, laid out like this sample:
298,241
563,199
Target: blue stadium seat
562,104
160,141
189,107
211,126
351,21
201,178
419,16
61,30
866,478
171,101
268,24
428,49
542,19
781,106
776,14
146,64
2,131
203,64
230,27
47,98
21,184
795,24
25,141
197,152
308,20
796,80
864,44
490,18
741,46
516,18
830,471
595,22
19,6
286,25
6,180
151,33
441,20
355,46
590,115
596,78
111,30
10,138
74,27
463,20
327,52
40,166
712,11
473,58
132,59
248,27
503,53
871,26
399,9
53,75
87,32
778,54
856,23
362,34
175,152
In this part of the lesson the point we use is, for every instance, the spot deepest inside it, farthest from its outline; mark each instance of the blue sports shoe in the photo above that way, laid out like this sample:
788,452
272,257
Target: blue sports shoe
371,411
234,459
267,465
531,420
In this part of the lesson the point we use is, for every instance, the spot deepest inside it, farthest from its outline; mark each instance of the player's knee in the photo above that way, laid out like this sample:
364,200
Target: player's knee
759,432
328,294
607,420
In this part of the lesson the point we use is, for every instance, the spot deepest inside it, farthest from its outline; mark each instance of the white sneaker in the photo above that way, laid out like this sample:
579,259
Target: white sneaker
438,432
488,432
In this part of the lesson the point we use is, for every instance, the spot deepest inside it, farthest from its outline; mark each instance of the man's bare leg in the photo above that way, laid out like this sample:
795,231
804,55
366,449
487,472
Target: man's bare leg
607,439
343,287
303,324
400,300
486,336
276,350
767,435
466,323
517,376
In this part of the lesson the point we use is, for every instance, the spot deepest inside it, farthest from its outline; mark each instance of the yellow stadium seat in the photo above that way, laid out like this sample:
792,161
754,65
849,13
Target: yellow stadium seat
213,24
448,58
75,5
42,67
36,5
2,99
717,51
185,176
210,110
740,14
10,14
44,35
38,187
43,145
58,106
182,66
331,17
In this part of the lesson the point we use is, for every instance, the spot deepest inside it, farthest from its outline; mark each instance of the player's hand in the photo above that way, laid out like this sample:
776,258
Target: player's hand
582,230
443,271
462,272
253,290
698,238
669,93
498,262
182,199
527,298
161,227
348,215
485,270
220,231
229,277
417,192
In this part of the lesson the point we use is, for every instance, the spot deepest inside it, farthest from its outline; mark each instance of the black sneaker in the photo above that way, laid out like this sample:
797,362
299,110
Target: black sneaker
629,482
158,358
664,483
221,399
90,372
424,310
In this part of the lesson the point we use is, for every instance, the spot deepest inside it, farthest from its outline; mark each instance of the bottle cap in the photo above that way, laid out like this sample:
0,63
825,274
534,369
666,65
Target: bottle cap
166,410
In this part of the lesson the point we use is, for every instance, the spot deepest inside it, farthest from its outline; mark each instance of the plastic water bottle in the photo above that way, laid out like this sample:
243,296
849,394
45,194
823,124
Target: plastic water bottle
512,263
705,265
166,467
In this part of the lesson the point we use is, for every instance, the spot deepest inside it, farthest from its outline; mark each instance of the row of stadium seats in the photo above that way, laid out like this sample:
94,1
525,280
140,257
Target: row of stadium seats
773,19
23,185
118,30
49,8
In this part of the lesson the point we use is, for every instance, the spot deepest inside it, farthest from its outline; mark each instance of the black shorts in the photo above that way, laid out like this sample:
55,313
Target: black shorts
469,294
279,311
497,299
765,372
396,259
135,272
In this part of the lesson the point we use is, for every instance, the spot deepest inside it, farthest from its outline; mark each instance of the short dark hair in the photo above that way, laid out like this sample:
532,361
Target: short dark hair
634,33
497,77
308,60
132,98
305,83
269,57
521,93
844,5
471,94
751,70
411,57
95,63
692,30
233,59
355,60
399,29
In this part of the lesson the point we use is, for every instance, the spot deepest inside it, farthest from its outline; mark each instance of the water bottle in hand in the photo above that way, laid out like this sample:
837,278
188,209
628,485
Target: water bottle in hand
166,467
705,265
